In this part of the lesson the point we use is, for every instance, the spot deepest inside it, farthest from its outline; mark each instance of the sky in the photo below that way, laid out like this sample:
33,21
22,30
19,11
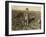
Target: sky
31,8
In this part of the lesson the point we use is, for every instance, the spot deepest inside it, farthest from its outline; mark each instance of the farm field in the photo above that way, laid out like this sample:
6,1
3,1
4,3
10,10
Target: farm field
26,20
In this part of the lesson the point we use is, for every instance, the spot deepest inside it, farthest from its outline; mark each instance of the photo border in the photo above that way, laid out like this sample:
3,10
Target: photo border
7,17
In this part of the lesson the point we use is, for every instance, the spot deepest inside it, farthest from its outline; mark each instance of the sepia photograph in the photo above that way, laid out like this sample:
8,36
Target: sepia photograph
25,18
